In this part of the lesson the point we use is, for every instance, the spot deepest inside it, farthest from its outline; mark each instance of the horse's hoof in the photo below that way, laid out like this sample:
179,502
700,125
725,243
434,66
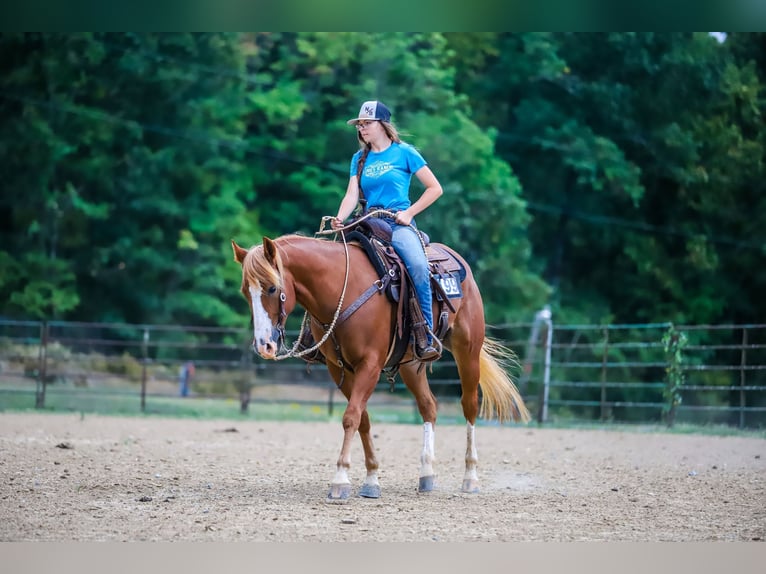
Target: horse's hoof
426,483
370,491
339,493
470,486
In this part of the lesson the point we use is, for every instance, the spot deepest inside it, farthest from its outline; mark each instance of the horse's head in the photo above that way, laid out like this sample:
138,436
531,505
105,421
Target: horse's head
263,287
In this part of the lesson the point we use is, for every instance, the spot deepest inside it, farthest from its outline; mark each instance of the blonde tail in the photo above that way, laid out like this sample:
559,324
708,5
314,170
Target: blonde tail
502,399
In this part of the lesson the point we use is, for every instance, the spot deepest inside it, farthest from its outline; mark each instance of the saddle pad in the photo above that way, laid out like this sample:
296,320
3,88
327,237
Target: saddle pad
444,260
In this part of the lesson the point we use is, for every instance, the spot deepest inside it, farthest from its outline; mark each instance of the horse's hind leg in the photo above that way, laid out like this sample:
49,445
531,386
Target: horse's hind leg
471,477
416,381
467,358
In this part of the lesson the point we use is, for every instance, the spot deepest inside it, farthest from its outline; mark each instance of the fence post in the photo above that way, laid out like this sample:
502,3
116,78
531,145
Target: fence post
673,342
247,376
145,351
42,367
330,401
545,316
529,357
742,377
604,357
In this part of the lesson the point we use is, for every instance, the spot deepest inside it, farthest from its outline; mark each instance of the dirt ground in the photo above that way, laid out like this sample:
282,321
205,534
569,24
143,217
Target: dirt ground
67,478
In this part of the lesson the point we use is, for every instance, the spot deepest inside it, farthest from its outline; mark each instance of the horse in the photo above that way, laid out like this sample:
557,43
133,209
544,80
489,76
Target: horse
309,271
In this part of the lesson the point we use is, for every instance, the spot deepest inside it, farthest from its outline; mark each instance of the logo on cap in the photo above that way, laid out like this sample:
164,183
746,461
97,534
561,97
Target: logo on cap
372,110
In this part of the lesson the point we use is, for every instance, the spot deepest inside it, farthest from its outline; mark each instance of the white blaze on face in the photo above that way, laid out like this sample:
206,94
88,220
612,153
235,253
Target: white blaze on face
261,323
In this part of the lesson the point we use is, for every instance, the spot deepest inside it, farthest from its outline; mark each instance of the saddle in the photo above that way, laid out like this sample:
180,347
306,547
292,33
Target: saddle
373,235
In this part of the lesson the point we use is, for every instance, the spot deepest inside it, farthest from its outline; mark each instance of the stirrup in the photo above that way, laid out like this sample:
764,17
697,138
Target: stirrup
436,342
429,353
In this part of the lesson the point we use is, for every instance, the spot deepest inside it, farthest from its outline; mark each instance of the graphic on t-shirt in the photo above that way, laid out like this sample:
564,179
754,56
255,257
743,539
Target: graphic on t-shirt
377,168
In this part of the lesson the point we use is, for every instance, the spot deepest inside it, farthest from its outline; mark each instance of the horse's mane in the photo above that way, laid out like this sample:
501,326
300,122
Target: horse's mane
257,269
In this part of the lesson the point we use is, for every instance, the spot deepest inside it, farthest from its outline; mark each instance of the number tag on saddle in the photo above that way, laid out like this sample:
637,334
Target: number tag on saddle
450,284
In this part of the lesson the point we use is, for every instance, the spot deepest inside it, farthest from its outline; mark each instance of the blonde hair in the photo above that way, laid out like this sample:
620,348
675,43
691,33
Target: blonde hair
388,127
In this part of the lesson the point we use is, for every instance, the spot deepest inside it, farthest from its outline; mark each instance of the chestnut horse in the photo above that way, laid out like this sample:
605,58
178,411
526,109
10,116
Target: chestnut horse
322,276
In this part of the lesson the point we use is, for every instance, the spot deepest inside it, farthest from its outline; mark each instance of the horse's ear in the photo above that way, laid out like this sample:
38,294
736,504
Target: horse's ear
270,250
239,253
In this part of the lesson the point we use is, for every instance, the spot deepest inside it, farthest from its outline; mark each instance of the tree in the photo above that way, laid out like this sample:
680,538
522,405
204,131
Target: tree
631,150
124,169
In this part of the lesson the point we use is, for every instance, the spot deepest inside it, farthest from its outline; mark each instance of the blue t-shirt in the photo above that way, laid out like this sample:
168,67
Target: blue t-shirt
386,177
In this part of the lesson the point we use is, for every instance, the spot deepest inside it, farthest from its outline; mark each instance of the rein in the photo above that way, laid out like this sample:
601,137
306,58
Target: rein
355,222
292,352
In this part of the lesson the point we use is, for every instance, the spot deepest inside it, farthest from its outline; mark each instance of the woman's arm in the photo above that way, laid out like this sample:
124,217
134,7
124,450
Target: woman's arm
348,204
432,192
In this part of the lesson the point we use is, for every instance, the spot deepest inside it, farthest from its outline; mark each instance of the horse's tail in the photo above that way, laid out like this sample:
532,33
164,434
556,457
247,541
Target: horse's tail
502,399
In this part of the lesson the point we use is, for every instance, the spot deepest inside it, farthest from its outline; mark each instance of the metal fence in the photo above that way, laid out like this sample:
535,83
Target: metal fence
620,372
567,372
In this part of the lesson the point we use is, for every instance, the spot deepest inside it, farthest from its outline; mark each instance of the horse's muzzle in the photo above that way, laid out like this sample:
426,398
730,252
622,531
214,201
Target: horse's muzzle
268,349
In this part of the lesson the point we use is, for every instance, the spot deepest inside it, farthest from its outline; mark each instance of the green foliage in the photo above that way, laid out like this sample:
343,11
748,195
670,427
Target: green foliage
125,364
126,136
673,342
615,176
633,151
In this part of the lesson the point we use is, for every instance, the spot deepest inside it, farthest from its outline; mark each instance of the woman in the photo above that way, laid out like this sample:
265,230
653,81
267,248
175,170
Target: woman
383,167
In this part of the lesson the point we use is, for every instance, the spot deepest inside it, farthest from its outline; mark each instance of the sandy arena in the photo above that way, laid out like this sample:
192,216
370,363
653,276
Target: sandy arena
151,479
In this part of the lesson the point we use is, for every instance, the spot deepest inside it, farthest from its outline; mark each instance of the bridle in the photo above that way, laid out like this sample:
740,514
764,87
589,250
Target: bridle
280,326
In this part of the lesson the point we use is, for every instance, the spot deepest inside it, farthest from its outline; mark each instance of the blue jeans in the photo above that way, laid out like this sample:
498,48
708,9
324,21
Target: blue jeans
183,383
407,244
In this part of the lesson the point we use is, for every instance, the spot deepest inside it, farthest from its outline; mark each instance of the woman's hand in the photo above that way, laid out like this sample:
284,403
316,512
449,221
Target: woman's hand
336,223
403,217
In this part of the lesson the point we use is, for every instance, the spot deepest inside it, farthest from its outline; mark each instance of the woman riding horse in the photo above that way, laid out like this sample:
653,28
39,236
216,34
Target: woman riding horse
380,175
353,321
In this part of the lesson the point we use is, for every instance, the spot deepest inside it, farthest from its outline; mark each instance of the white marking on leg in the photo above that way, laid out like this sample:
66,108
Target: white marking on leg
372,478
427,456
471,454
341,476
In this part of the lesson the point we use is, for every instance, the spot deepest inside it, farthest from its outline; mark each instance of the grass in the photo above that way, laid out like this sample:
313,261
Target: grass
119,403
647,427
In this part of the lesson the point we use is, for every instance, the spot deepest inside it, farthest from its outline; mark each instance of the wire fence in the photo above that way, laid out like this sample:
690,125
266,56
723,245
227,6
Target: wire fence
618,373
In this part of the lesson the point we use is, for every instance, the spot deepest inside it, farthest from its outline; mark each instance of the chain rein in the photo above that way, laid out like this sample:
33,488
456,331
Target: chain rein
329,331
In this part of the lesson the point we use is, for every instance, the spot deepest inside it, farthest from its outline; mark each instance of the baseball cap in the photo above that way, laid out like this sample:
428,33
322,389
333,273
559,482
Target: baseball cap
372,110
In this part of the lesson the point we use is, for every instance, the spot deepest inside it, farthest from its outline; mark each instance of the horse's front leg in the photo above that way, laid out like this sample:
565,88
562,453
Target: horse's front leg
371,486
358,390
340,487
427,456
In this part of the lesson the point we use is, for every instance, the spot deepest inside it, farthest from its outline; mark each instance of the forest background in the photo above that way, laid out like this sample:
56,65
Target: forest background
617,177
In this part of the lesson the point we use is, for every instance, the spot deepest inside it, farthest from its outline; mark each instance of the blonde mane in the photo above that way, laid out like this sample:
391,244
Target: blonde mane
257,271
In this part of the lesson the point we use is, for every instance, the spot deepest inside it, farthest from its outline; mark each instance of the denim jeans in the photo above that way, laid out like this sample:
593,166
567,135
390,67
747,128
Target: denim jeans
407,244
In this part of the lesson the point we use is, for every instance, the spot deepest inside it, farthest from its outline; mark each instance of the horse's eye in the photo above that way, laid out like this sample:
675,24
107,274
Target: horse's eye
272,290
